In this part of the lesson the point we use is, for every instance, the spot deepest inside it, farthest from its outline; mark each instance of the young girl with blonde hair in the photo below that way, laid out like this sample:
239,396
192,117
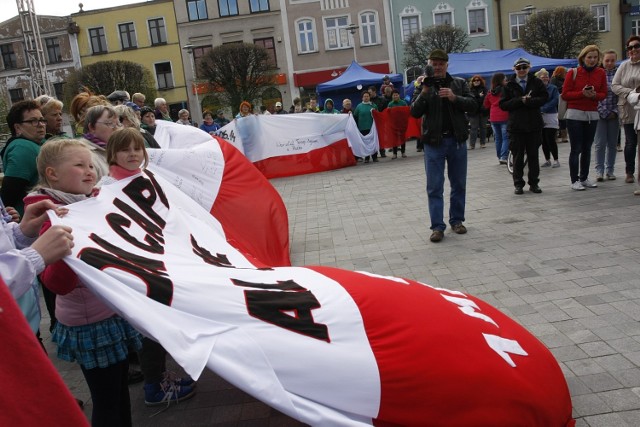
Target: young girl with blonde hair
87,331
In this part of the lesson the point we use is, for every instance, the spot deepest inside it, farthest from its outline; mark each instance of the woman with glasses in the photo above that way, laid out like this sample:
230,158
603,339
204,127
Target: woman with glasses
625,81
478,119
28,128
100,122
582,92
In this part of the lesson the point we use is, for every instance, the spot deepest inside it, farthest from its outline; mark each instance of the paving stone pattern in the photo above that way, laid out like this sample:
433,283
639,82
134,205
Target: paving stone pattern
562,263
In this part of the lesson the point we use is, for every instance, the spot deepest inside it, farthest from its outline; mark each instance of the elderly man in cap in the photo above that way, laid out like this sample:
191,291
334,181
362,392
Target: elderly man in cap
442,102
523,96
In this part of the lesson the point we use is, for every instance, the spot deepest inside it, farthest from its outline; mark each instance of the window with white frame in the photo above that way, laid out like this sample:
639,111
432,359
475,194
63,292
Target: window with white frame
601,16
409,26
635,27
410,21
337,35
516,24
369,29
443,14
164,75
306,35
477,18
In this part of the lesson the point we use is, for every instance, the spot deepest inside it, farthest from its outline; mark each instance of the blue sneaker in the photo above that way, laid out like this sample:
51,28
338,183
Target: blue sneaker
166,392
183,382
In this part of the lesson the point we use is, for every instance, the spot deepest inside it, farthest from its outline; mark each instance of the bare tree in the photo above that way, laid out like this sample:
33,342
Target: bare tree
445,37
106,76
237,72
560,32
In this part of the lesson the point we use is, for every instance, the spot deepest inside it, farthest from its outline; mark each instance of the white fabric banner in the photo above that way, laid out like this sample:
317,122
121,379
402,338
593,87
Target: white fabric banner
261,137
162,262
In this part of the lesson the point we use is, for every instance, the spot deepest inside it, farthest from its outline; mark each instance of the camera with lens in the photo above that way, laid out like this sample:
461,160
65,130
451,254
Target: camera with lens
430,80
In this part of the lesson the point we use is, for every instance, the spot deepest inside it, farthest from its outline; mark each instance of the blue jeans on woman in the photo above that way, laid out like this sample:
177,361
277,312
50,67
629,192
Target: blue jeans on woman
454,153
606,142
502,139
581,134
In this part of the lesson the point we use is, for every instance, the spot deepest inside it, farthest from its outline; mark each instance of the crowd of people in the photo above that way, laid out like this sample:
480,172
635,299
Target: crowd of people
583,105
44,168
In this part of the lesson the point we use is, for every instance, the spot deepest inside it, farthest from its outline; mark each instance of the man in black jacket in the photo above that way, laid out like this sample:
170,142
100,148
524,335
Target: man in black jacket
442,101
522,97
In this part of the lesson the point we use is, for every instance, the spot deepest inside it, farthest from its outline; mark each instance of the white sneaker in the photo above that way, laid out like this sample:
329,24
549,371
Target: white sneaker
577,186
556,164
546,164
588,184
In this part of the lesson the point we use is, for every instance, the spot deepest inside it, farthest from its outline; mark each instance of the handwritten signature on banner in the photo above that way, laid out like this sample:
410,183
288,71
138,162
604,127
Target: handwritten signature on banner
296,144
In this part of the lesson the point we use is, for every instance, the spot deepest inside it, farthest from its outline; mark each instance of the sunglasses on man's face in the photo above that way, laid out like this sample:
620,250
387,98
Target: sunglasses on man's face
522,67
633,47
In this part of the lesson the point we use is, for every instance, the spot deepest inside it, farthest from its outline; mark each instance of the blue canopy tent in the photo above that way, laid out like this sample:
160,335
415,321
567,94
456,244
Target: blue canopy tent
346,85
486,63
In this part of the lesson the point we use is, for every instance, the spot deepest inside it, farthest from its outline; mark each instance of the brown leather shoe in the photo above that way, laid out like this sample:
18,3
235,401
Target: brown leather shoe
629,179
436,236
459,228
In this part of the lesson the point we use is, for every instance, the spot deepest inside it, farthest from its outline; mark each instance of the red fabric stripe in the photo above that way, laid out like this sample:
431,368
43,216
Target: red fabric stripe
335,156
252,213
34,392
391,125
436,368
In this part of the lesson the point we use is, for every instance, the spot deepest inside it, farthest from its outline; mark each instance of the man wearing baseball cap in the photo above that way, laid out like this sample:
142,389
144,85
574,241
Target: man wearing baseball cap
279,109
442,102
522,97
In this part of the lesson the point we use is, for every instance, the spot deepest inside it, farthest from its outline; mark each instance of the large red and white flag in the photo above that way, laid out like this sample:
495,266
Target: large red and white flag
296,144
326,346
221,180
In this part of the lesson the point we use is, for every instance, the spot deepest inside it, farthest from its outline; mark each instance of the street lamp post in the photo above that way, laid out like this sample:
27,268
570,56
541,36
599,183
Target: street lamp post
198,113
352,28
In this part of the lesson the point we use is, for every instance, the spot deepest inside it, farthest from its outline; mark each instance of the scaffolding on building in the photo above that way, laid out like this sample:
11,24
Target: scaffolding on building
37,66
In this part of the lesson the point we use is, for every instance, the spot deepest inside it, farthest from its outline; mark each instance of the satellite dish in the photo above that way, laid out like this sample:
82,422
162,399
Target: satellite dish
359,87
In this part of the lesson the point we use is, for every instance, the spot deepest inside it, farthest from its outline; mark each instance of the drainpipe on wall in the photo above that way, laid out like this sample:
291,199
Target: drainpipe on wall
499,10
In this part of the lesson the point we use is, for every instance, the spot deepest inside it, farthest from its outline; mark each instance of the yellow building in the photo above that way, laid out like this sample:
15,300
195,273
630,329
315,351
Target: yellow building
144,33
511,15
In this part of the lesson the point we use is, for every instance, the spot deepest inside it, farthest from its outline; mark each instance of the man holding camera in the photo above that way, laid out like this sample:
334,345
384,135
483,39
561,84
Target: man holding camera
442,101
522,97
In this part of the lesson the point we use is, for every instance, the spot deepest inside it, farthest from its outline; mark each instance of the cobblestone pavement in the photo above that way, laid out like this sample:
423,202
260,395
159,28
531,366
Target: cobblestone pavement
562,263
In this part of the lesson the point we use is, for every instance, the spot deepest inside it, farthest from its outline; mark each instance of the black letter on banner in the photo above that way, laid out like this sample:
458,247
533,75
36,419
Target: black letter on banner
271,307
163,197
118,222
135,190
150,271
219,260
153,230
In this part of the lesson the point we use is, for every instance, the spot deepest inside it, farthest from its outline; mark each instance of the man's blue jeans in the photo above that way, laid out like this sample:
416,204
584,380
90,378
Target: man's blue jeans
454,154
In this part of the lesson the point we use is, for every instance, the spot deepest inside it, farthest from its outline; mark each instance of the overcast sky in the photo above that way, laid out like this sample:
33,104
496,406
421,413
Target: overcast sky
9,8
